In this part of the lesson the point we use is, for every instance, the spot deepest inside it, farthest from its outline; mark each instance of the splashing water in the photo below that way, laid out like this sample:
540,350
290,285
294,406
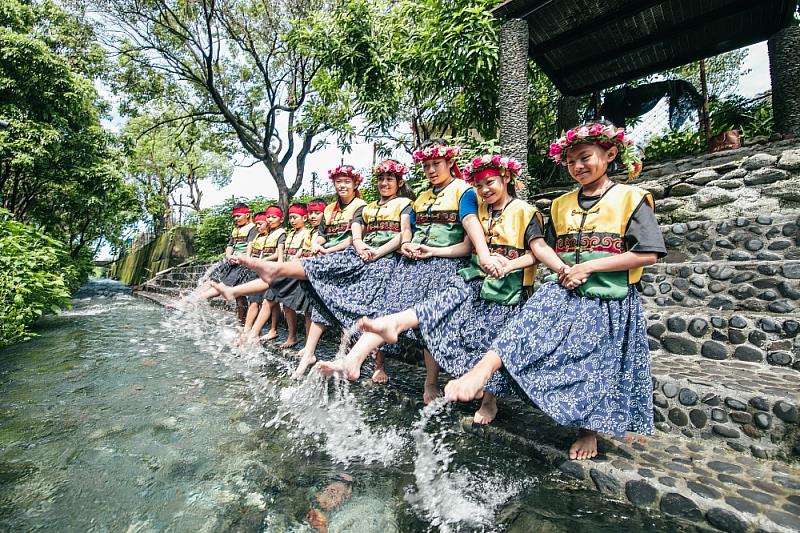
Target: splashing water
449,498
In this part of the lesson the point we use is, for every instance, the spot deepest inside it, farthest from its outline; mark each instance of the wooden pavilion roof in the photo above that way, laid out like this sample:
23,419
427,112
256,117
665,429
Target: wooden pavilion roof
588,45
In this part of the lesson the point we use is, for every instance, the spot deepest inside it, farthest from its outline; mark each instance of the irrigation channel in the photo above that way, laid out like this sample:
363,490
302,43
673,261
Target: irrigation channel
122,416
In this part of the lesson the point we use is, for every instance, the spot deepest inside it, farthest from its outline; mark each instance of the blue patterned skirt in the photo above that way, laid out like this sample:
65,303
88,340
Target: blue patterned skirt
583,361
458,327
348,287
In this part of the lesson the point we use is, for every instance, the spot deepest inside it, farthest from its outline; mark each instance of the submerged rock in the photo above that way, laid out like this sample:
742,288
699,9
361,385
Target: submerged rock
333,495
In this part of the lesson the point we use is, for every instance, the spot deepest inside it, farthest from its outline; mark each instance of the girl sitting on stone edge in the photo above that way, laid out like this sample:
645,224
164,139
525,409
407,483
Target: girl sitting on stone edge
578,349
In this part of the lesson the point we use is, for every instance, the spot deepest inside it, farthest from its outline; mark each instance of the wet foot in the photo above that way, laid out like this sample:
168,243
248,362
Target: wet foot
380,376
585,447
223,290
381,326
305,362
346,368
466,388
288,343
487,411
430,393
300,353
265,269
269,337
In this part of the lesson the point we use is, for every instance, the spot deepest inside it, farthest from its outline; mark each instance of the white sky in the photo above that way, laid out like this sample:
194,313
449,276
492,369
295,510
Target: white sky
255,180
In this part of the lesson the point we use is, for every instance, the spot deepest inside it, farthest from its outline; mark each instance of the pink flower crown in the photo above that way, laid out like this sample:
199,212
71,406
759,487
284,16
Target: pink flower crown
606,136
491,165
436,151
390,167
347,171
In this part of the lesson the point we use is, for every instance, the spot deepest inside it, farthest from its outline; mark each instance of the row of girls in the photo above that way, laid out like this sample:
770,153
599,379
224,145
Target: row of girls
454,268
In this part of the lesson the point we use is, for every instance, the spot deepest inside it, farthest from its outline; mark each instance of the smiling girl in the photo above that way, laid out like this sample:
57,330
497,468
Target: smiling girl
578,349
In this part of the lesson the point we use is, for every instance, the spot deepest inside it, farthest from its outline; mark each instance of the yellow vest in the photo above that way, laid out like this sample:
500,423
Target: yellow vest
583,235
337,225
437,215
310,238
296,243
382,222
505,235
239,237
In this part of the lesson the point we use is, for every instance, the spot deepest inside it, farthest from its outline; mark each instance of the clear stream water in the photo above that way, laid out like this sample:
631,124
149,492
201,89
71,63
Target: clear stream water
122,416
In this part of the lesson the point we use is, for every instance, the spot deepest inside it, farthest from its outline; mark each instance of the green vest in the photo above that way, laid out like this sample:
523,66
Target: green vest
583,235
437,216
239,238
505,235
382,222
338,221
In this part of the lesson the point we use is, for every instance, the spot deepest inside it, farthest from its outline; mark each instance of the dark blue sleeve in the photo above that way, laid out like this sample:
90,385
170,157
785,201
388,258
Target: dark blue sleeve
468,205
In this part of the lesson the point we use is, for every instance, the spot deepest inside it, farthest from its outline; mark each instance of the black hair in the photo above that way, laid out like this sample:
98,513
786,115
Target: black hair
240,205
403,191
298,204
318,200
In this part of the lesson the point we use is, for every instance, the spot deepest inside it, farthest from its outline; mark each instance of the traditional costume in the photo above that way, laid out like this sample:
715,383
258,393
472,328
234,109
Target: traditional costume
293,293
582,355
265,246
226,272
459,322
349,287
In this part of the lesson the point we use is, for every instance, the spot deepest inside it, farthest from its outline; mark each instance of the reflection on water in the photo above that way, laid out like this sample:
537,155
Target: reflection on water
124,417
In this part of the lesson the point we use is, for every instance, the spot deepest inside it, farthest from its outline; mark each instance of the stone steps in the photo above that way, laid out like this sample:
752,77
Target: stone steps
746,405
762,238
758,286
768,339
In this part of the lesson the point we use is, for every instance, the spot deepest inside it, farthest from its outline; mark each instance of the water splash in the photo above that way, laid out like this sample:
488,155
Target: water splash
325,411
449,498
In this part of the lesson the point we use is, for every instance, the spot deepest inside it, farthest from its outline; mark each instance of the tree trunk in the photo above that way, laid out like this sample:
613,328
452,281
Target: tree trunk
513,94
784,69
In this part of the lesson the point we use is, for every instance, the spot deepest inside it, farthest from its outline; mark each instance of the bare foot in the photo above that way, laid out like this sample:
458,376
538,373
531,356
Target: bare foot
347,368
380,375
270,336
223,290
305,362
585,447
288,343
265,269
382,326
466,388
487,411
430,393
300,353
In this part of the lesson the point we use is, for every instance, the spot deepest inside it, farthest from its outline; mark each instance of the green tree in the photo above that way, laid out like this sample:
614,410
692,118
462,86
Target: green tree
58,166
229,62
164,157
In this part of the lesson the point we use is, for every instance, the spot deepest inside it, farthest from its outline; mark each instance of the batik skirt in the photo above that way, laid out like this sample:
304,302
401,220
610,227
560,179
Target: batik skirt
583,361
458,327
348,287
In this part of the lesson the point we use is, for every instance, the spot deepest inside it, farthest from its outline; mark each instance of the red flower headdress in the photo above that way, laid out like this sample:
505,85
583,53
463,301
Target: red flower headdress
606,136
390,167
347,171
491,165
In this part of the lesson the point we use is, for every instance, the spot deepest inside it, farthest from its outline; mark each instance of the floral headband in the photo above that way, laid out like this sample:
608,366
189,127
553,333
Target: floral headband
390,167
491,165
436,151
346,171
606,136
